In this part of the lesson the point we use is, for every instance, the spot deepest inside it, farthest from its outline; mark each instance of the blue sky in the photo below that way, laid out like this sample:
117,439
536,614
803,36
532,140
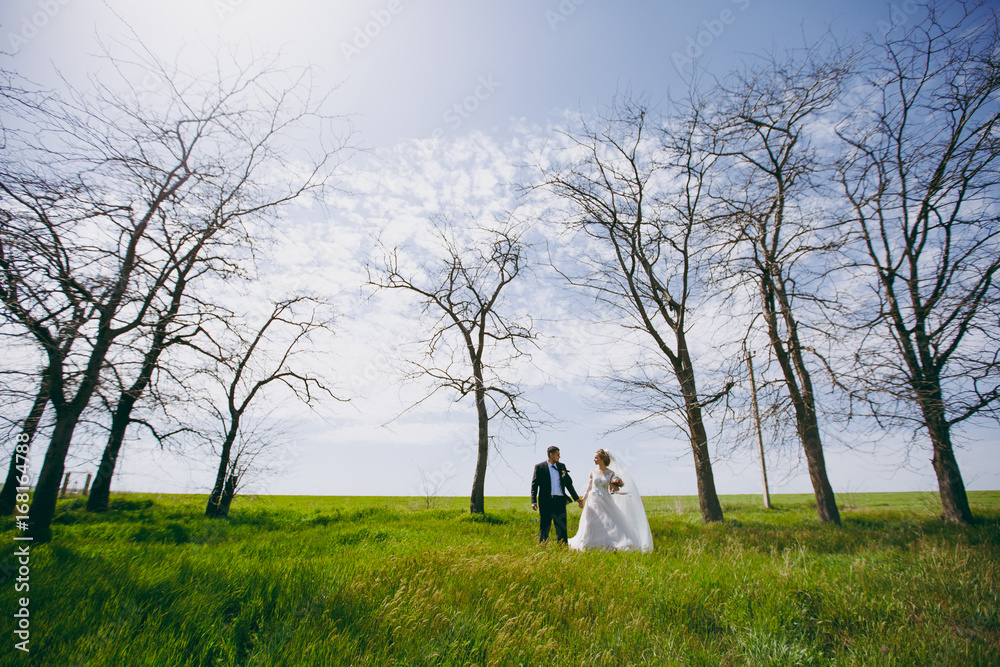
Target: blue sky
403,64
445,96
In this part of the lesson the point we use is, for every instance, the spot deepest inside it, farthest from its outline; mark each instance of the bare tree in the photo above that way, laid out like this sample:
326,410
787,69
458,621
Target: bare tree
772,233
42,257
206,248
39,297
114,193
647,260
921,178
431,485
465,289
250,360
166,332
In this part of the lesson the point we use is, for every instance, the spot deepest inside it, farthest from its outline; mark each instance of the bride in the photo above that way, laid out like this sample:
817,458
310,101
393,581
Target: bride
613,517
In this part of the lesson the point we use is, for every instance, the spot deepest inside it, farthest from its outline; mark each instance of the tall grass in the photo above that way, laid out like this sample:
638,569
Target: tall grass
385,581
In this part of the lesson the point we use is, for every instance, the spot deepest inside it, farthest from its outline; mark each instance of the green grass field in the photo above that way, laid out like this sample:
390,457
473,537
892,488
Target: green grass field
387,581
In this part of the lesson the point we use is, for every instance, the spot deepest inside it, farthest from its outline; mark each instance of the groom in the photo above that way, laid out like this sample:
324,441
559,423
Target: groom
551,487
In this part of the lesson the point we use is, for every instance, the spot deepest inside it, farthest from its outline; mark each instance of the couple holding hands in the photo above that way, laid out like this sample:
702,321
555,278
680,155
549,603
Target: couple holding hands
613,515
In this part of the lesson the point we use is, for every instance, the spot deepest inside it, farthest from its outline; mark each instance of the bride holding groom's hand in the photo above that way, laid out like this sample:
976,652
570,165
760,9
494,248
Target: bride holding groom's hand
612,518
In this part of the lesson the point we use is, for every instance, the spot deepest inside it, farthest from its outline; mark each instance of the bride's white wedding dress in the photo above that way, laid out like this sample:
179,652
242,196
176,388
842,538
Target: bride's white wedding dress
612,520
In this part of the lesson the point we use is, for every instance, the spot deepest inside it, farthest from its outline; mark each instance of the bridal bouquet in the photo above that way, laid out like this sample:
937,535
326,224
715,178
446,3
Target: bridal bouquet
616,484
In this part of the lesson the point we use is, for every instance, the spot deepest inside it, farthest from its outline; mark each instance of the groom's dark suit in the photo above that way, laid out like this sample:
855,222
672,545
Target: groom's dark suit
551,508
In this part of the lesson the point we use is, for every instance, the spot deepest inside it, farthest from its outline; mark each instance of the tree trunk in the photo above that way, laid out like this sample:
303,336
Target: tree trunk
477,503
954,500
826,504
808,429
101,490
98,501
9,493
708,499
228,493
800,391
43,504
214,507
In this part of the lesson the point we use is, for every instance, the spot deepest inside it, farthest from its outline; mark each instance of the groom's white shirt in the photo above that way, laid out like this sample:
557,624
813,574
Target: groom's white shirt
557,489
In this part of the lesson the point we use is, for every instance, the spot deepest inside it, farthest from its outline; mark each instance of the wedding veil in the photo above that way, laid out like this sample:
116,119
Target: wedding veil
629,501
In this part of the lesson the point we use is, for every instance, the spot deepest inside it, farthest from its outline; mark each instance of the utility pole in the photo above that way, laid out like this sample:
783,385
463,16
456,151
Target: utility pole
760,434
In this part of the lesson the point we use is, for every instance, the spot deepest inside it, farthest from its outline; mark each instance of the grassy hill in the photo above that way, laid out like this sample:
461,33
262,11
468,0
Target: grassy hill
296,580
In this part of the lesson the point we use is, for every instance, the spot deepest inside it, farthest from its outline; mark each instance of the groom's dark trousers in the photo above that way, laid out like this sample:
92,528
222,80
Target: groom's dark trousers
551,508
